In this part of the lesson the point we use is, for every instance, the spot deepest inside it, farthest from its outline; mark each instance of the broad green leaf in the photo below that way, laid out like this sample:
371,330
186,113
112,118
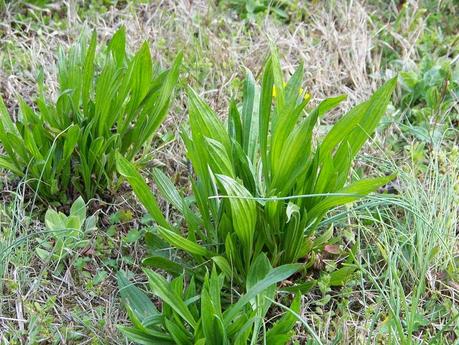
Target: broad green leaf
224,266
377,105
44,255
171,194
164,264
161,288
8,125
341,276
211,322
139,337
164,97
205,121
78,209
342,129
293,87
153,330
138,301
276,275
348,194
117,45
178,334
88,72
359,123
243,210
234,123
282,330
141,189
182,243
54,220
167,188
73,223
71,138
5,163
278,80
249,117
259,268
265,115
31,145
218,158
302,288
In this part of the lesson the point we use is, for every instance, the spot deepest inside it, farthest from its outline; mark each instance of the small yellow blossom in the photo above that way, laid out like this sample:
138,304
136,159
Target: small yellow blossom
307,96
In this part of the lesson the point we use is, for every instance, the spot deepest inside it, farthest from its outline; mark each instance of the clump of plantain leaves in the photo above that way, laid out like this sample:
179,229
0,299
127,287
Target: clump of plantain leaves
108,101
207,314
262,183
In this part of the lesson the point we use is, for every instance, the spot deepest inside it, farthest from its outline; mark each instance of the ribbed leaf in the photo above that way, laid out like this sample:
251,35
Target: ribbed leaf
247,110
71,138
117,45
141,189
218,158
211,322
281,332
167,188
234,123
377,106
162,289
204,121
359,123
163,263
139,337
265,115
243,210
5,163
171,194
224,266
177,332
116,109
276,275
88,73
138,301
181,242
250,116
351,193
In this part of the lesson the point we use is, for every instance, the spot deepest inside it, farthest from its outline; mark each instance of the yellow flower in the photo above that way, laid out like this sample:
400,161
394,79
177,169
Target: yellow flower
275,90
307,96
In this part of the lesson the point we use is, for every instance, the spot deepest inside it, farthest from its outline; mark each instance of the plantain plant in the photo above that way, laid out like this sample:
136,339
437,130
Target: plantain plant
108,101
67,234
263,183
194,314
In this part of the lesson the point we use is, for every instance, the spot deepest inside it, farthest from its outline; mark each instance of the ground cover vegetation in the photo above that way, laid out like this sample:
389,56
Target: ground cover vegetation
229,172
69,145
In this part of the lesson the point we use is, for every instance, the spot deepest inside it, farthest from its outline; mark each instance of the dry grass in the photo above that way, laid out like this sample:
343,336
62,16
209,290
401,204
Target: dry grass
334,43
